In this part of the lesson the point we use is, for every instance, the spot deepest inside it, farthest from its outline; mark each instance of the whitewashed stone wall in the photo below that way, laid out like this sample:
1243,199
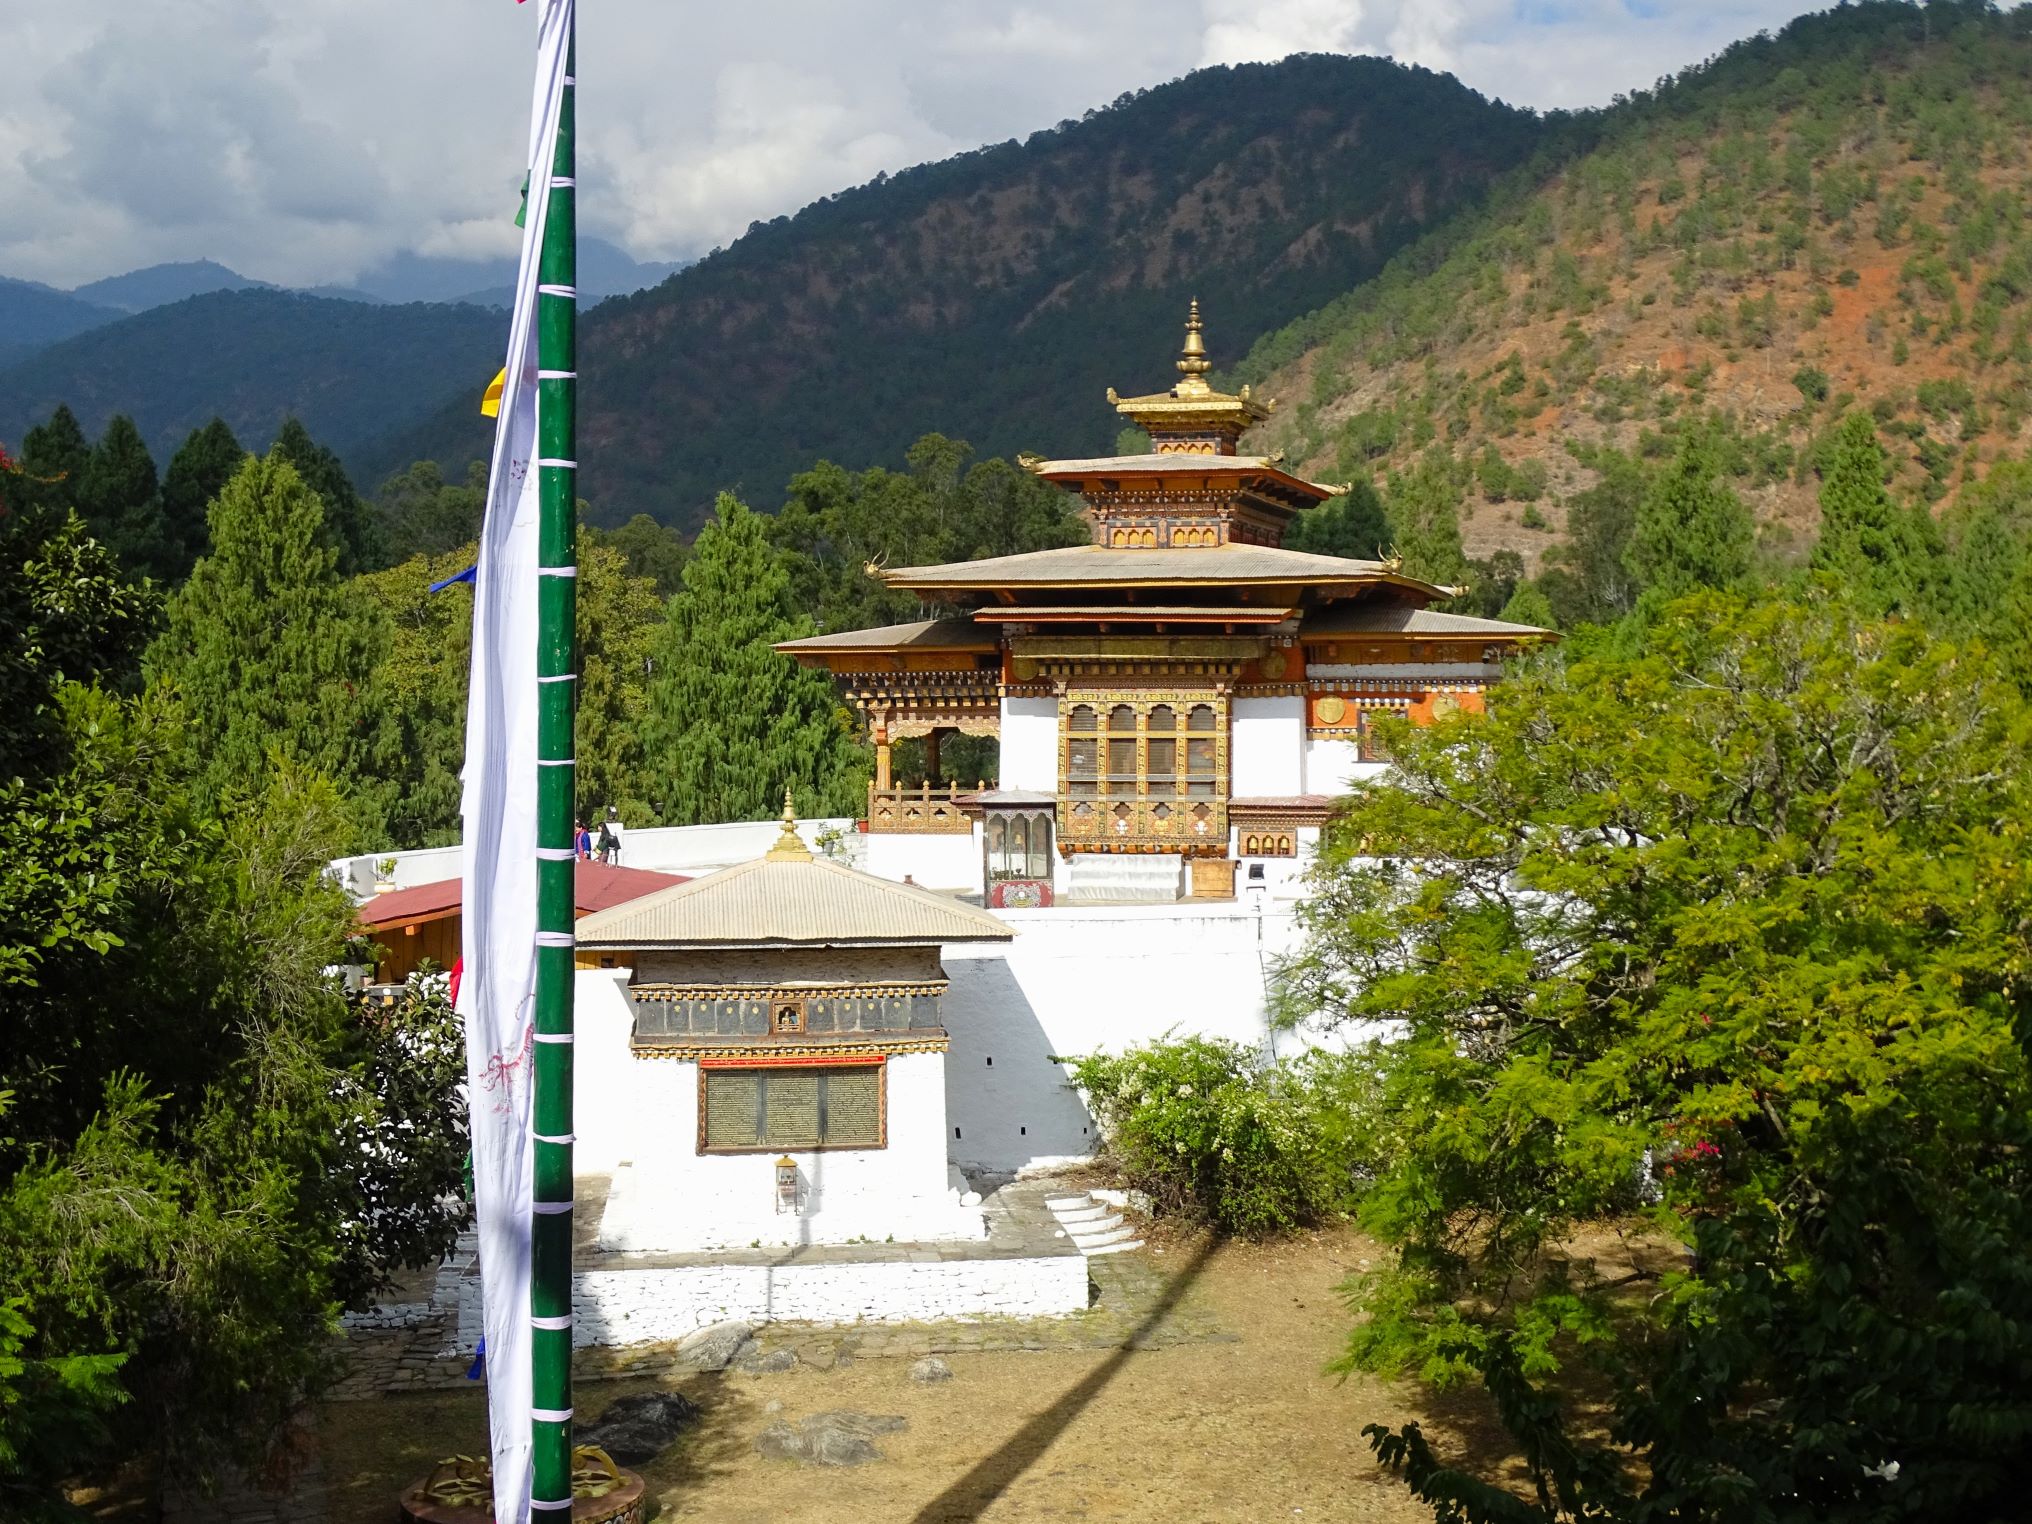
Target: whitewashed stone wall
652,1304
1266,750
1029,744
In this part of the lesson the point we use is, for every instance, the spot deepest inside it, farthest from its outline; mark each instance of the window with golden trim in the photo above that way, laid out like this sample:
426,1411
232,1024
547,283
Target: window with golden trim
772,1108
1165,750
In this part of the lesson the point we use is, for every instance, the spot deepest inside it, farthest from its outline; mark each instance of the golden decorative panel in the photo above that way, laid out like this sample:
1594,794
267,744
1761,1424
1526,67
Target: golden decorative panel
919,811
1143,770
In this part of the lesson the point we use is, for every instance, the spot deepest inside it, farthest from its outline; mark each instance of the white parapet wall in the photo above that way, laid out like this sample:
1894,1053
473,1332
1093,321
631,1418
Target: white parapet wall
656,1304
1267,750
949,860
1029,744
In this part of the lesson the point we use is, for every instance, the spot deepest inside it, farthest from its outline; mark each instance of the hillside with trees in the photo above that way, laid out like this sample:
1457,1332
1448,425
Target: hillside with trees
995,296
255,357
1822,222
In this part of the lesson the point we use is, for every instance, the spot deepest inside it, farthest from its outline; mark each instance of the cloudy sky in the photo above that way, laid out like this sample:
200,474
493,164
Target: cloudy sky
301,142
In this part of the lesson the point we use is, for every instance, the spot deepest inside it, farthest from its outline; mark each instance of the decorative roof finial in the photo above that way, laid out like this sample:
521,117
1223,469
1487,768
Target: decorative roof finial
1192,361
790,847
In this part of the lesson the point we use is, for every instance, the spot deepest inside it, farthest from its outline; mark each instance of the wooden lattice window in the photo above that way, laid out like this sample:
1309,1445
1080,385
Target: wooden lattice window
1082,752
1123,774
792,1107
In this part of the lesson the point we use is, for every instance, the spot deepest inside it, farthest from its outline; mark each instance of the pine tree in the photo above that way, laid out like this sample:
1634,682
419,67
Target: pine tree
120,498
348,520
1691,530
619,619
731,723
1424,510
1353,525
1877,550
198,472
53,460
274,659
1529,605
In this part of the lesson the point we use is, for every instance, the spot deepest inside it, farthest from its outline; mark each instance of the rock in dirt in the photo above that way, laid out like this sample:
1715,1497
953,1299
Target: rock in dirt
773,1363
931,1368
827,1439
714,1347
640,1428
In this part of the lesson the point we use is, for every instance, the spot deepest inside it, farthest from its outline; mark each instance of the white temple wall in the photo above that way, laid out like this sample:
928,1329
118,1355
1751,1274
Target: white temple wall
1079,980
1030,744
1266,750
933,861
666,1196
1334,766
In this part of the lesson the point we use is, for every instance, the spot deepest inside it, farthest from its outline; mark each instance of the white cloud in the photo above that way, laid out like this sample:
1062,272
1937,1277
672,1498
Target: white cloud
302,143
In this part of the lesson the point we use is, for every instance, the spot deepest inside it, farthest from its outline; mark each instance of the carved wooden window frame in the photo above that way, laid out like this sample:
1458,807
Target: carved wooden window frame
1188,789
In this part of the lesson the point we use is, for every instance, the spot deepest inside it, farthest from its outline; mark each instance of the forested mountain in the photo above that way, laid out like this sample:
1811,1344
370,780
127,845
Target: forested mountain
1827,220
254,358
159,285
32,315
995,296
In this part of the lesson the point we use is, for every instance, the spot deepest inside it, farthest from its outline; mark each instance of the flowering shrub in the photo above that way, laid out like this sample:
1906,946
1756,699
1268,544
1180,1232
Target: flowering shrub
1213,1134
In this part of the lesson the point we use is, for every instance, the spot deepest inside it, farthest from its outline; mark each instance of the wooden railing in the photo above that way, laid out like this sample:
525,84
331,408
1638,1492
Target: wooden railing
920,810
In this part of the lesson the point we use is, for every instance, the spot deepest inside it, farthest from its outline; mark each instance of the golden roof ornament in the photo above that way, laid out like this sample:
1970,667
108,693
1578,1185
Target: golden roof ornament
1192,418
790,847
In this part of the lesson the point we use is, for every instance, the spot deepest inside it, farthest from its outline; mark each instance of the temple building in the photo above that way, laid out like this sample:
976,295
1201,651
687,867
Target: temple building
786,1061
1176,702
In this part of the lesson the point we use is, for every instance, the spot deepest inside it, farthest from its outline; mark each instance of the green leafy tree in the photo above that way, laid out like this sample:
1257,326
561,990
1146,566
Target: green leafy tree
198,472
651,550
1691,531
203,1151
1717,942
273,660
1424,508
731,722
1868,543
1587,578
421,680
424,515
348,520
1353,525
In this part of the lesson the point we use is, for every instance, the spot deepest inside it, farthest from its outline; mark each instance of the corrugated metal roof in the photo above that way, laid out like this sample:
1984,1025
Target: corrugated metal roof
1101,565
784,901
1401,619
951,634
595,886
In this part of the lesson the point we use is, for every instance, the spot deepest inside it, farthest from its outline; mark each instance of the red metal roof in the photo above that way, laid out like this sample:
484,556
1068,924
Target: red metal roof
596,886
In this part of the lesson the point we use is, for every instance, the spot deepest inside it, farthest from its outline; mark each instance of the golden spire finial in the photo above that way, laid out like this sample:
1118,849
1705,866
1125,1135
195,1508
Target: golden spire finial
1192,361
789,846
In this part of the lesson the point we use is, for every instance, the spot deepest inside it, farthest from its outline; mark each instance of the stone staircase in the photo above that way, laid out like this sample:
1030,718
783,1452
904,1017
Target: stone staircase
1094,1226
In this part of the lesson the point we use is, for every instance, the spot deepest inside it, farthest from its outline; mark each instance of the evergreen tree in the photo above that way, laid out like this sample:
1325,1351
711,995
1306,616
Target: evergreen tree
651,550
347,519
275,661
1691,530
1424,510
1529,605
1874,548
1353,525
731,723
120,498
198,472
1586,578
421,514
619,619
53,460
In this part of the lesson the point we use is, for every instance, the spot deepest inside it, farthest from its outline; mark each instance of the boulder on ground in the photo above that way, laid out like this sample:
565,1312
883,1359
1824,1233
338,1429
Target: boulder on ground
931,1368
714,1347
640,1428
827,1439
755,1363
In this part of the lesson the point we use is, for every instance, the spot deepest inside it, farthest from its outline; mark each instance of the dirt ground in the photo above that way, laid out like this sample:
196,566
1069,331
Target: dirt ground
1249,1430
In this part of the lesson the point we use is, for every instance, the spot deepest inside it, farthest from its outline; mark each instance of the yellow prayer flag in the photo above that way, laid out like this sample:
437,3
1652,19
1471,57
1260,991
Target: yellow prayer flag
490,400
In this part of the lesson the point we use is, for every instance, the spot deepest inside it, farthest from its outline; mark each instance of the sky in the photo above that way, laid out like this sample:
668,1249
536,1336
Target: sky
302,143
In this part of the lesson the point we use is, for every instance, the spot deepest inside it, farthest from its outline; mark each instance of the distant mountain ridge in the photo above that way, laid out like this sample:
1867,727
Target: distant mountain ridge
994,296
255,357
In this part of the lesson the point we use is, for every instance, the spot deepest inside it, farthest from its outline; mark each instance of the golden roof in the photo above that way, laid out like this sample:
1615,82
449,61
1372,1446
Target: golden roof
1192,406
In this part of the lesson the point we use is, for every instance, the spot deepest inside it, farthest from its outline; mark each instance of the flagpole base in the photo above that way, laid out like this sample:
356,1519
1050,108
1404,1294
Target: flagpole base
460,1490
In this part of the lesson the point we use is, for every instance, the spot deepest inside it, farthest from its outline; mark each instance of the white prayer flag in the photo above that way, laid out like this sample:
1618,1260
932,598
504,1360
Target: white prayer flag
497,989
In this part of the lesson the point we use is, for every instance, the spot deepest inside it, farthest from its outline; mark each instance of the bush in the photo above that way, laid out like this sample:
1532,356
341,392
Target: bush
1213,1135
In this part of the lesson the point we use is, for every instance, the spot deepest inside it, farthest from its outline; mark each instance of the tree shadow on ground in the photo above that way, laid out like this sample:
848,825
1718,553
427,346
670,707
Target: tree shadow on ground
992,1476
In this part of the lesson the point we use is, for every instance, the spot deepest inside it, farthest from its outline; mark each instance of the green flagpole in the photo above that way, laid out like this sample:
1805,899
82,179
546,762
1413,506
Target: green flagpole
550,1271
